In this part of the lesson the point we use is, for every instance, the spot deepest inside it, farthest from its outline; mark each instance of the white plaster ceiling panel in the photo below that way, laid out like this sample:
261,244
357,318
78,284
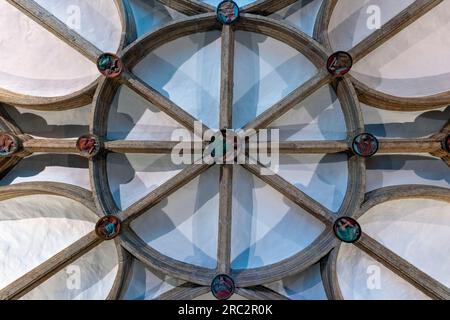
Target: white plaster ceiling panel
322,177
318,117
131,117
363,278
349,21
151,14
63,168
71,123
37,63
405,66
302,14
98,21
306,285
132,176
187,71
90,277
184,226
146,284
417,230
265,71
403,125
393,170
266,227
34,228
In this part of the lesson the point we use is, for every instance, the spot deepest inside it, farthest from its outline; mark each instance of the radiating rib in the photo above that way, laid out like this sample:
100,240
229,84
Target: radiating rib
161,102
50,146
58,28
290,101
409,145
7,164
6,123
186,291
403,268
225,216
329,146
266,7
38,275
260,293
188,7
292,193
155,147
393,27
300,147
227,77
163,191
